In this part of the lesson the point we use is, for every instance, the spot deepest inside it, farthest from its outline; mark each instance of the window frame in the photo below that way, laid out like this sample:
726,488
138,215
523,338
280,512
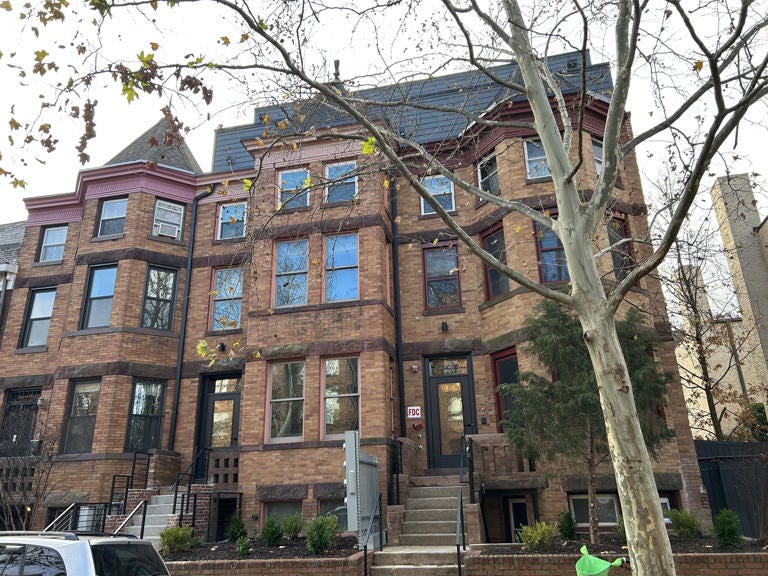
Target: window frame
171,302
602,495
155,420
90,299
542,171
44,245
426,209
30,321
334,181
563,275
482,180
496,359
271,401
488,271
326,396
302,197
298,272
331,270
102,219
597,145
157,224
228,299
453,245
625,251
66,448
220,222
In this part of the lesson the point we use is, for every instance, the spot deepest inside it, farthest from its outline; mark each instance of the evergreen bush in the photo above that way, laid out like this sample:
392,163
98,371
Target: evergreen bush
272,532
726,528
322,533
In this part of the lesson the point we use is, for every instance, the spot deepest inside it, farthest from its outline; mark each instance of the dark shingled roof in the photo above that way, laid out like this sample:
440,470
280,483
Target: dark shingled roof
472,91
150,147
11,236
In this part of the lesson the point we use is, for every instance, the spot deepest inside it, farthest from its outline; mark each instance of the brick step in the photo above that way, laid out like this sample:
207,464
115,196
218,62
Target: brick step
430,527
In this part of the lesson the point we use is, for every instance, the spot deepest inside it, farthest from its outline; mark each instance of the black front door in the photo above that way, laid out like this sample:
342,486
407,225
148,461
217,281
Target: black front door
450,400
218,418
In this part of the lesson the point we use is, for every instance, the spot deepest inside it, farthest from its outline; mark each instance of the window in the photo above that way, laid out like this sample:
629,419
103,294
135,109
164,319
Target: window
282,509
441,189
504,372
144,421
37,560
342,395
227,298
441,274
342,182
231,221
168,220
52,248
495,282
607,509
291,273
82,417
341,268
222,415
536,164
621,252
294,189
488,176
100,293
19,420
552,266
597,151
157,311
112,219
38,318
335,508
286,404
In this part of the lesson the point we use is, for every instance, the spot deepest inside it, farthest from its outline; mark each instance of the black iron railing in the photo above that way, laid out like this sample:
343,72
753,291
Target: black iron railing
461,532
376,512
143,506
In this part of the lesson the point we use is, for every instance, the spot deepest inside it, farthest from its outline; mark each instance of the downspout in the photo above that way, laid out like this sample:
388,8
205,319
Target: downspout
185,310
6,272
396,298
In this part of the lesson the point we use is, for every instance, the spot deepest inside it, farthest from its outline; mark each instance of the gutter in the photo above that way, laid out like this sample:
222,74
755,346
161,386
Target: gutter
396,296
184,313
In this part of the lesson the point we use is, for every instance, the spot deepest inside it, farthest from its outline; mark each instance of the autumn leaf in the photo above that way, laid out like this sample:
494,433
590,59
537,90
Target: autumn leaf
40,55
225,40
6,6
243,38
262,24
17,183
265,118
369,146
224,183
202,348
247,184
14,124
154,45
698,65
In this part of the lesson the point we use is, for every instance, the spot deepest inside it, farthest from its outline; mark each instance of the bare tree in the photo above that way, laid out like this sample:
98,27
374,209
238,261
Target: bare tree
706,67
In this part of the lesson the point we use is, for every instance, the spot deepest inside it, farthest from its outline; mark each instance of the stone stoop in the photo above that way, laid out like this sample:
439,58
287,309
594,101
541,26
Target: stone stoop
159,509
428,536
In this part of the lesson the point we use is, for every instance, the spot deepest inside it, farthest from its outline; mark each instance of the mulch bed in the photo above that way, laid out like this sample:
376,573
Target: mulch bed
611,547
345,546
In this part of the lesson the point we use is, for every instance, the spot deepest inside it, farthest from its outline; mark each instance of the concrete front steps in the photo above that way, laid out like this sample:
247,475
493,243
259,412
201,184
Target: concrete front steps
428,535
159,510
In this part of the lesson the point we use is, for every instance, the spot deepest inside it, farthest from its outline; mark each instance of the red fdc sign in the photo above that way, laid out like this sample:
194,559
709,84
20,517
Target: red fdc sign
414,411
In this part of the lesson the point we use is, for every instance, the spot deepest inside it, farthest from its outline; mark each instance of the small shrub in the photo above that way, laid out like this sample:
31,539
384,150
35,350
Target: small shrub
726,528
322,533
273,531
566,525
243,545
538,537
621,530
292,525
684,524
178,539
235,530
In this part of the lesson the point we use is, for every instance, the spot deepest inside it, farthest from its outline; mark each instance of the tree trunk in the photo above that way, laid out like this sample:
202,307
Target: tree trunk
594,520
647,537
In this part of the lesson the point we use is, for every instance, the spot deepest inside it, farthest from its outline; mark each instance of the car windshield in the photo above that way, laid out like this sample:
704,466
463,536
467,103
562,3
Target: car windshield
127,559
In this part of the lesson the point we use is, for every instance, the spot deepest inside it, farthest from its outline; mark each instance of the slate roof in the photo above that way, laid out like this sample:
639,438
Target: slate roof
473,91
11,236
151,147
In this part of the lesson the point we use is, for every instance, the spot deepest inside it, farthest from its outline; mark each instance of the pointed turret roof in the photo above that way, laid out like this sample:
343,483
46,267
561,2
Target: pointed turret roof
154,146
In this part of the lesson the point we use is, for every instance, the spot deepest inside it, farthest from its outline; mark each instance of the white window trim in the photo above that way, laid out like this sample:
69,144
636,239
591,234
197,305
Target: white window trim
353,178
613,497
43,245
281,190
325,395
219,211
171,207
426,209
528,160
480,178
286,439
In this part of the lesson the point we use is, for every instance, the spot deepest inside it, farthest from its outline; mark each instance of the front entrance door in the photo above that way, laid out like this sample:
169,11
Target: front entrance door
218,418
450,400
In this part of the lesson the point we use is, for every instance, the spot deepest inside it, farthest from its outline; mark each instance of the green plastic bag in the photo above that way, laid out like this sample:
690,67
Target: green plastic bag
593,566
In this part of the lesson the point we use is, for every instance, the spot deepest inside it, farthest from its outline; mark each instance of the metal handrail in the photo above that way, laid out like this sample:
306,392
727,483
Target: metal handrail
188,468
471,469
148,457
55,520
461,533
376,509
131,515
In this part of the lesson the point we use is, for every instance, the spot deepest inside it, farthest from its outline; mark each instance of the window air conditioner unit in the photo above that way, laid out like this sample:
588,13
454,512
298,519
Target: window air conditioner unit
170,230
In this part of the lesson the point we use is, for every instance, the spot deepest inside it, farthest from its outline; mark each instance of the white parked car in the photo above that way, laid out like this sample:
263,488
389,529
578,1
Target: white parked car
70,554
